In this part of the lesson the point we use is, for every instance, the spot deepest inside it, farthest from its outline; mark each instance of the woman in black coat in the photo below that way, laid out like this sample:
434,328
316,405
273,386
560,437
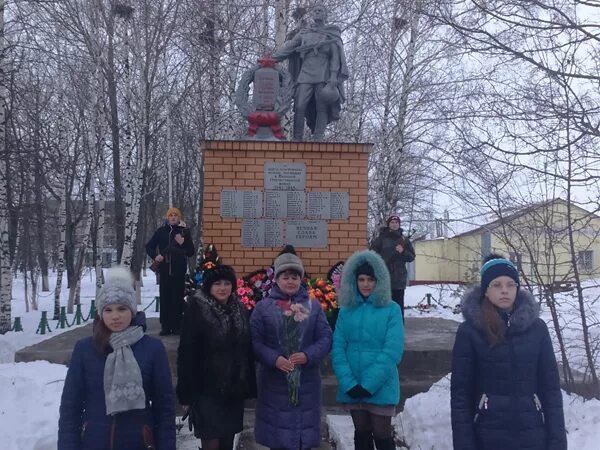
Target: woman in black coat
170,246
396,250
505,388
215,368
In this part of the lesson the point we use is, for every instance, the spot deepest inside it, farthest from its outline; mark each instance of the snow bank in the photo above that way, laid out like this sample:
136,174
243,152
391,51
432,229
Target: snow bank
29,399
425,422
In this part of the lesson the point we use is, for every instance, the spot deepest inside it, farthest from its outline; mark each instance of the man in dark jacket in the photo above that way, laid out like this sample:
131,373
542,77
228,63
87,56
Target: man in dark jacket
396,250
174,242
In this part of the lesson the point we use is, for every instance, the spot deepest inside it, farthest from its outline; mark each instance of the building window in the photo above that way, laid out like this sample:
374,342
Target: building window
586,261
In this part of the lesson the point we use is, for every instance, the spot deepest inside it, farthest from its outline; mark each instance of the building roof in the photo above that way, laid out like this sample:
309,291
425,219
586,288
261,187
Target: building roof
510,214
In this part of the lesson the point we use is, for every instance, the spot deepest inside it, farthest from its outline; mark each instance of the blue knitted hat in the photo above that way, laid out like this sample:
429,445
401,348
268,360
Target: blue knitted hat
495,268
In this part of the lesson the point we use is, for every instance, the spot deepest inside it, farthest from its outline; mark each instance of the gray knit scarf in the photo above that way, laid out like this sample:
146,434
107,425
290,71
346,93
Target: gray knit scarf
123,388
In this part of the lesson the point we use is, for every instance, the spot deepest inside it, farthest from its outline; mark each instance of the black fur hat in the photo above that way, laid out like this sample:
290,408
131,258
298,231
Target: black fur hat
220,272
365,269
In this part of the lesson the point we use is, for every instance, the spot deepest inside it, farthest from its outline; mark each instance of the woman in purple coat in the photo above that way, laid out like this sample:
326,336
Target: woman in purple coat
290,336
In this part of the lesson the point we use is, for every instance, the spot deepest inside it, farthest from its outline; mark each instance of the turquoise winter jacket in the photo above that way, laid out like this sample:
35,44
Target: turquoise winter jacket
368,341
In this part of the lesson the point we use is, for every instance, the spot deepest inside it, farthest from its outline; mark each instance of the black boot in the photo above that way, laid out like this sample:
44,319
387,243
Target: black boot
385,444
363,440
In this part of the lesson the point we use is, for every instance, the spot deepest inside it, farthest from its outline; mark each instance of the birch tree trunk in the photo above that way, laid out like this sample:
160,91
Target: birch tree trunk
264,39
101,218
75,291
100,119
5,278
40,228
60,267
281,21
130,181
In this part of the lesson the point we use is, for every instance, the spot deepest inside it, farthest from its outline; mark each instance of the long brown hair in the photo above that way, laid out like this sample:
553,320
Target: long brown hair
101,336
493,325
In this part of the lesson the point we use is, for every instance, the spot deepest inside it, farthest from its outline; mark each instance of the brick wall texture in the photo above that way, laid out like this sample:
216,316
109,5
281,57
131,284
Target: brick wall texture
239,165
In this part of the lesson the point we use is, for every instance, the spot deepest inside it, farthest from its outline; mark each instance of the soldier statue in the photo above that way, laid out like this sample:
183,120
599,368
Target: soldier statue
318,68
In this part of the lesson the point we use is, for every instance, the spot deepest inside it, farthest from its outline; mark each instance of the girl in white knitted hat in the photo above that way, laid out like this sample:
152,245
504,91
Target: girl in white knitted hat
118,392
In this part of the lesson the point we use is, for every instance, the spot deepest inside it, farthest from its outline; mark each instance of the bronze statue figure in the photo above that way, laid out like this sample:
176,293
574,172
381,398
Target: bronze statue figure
318,67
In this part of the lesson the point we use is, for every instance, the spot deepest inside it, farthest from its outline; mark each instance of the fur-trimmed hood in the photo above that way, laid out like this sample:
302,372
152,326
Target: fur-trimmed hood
381,295
525,312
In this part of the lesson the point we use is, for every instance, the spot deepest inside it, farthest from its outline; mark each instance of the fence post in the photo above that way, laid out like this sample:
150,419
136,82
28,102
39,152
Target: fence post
157,307
78,317
92,310
17,326
43,326
62,318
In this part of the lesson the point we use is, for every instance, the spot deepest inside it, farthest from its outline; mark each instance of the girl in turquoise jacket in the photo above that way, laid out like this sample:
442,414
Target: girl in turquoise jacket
367,347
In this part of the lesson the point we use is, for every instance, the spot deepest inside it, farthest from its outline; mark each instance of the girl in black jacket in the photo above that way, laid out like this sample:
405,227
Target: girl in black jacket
215,368
505,389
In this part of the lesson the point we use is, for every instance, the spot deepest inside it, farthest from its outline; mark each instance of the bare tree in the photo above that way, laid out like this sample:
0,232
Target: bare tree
5,266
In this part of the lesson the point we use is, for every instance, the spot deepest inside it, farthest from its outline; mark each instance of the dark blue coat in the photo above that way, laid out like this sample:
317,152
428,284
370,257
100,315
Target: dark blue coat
278,424
83,423
510,375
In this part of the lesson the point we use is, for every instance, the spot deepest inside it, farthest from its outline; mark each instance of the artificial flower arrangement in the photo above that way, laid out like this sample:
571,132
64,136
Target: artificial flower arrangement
324,291
258,284
245,294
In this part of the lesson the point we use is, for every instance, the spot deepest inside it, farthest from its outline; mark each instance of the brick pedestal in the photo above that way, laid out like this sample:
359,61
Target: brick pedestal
239,165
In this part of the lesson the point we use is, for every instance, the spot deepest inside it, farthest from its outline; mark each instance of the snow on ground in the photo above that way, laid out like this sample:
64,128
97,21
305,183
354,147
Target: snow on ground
29,398
36,388
13,341
425,422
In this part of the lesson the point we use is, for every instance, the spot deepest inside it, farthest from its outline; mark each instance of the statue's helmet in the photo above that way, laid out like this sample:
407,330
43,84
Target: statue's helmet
329,94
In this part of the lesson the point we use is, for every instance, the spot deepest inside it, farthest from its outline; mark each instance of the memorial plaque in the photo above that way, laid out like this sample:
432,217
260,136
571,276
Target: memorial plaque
285,176
317,205
273,233
296,205
262,233
276,204
253,233
285,204
241,204
228,204
252,203
306,233
327,205
266,89
339,205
